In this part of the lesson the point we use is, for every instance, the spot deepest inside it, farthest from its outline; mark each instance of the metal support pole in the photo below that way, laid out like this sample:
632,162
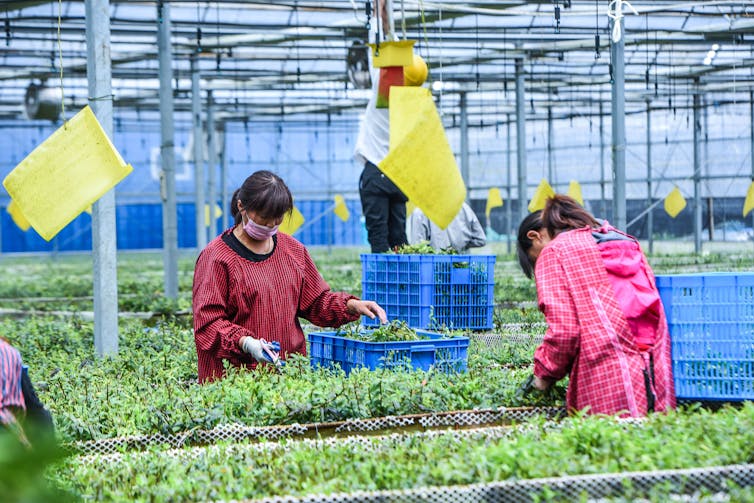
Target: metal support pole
697,174
104,245
619,129
212,168
705,174
331,218
603,198
521,139
550,139
196,115
509,192
650,231
224,197
464,141
751,136
167,150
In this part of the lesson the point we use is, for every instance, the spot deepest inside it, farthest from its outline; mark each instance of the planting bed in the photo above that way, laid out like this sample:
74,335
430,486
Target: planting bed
142,429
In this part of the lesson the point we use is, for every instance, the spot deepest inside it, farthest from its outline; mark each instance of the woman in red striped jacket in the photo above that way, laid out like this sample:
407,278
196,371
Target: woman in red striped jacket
251,284
606,324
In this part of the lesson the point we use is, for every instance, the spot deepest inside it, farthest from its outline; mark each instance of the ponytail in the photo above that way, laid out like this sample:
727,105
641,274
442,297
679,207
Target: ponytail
563,213
234,211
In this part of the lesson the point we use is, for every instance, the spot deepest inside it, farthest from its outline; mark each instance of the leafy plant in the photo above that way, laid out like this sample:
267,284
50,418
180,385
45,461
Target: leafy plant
396,330
578,445
423,248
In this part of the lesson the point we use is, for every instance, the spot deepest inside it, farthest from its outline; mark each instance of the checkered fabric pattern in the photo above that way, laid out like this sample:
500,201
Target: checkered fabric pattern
588,335
235,297
10,382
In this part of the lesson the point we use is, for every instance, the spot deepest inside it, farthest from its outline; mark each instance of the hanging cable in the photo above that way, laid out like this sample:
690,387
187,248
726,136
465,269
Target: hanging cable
672,84
298,48
378,31
52,38
477,51
557,17
198,30
657,61
7,29
442,77
505,65
60,51
646,31
424,30
403,20
218,55
356,11
596,29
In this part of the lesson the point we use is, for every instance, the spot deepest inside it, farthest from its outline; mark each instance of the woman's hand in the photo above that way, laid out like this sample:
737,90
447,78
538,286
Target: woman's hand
542,384
367,308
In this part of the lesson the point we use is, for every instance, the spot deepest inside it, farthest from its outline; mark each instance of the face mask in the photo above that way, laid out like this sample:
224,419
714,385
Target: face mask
259,232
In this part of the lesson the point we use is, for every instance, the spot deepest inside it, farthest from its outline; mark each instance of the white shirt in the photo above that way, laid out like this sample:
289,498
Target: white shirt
373,141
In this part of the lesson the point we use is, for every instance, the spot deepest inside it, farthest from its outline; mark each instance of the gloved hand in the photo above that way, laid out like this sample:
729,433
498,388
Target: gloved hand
525,388
261,350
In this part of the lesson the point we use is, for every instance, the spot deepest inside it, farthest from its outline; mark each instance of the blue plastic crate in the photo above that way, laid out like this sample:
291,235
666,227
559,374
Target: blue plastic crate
432,351
711,322
429,291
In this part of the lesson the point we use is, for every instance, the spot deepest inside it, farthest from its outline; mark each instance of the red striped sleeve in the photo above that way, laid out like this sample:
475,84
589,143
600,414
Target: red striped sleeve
10,382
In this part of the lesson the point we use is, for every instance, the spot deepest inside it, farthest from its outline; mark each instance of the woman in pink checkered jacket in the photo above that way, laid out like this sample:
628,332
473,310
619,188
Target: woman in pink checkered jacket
606,324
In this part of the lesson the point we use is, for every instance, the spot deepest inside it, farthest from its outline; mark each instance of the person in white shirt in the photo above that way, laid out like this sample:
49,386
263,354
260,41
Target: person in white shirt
382,202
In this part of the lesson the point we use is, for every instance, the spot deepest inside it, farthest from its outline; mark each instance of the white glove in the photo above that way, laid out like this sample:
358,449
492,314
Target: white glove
261,350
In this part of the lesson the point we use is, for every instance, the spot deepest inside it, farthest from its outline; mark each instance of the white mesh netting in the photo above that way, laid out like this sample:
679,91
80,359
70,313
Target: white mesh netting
625,486
238,433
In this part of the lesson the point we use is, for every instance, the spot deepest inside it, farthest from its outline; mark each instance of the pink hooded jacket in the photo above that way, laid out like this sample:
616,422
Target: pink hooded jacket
606,325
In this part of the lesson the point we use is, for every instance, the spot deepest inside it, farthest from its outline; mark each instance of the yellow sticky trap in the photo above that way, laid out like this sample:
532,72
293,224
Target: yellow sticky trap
66,174
396,53
541,195
18,217
574,190
341,210
420,161
749,201
494,200
218,214
674,202
291,222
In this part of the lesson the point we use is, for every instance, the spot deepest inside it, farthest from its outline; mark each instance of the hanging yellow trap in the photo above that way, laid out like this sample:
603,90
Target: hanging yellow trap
390,58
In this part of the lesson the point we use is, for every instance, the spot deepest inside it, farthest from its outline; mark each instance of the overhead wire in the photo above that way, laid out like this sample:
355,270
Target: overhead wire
60,52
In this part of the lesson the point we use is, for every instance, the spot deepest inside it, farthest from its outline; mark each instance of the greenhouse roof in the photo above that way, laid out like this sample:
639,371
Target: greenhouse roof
288,57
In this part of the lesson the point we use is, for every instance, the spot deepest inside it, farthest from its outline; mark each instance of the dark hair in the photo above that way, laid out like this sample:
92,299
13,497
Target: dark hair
563,213
264,193
532,222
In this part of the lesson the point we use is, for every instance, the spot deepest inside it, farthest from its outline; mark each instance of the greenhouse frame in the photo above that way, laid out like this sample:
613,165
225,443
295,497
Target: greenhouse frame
158,111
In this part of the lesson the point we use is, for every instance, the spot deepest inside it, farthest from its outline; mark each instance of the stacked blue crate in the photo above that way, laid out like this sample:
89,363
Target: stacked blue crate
430,291
711,322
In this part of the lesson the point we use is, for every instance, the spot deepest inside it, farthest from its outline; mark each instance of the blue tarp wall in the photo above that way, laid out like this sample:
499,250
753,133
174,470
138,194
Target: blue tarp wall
314,158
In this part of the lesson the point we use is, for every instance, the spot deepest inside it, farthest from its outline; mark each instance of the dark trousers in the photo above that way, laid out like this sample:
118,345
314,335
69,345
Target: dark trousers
384,208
